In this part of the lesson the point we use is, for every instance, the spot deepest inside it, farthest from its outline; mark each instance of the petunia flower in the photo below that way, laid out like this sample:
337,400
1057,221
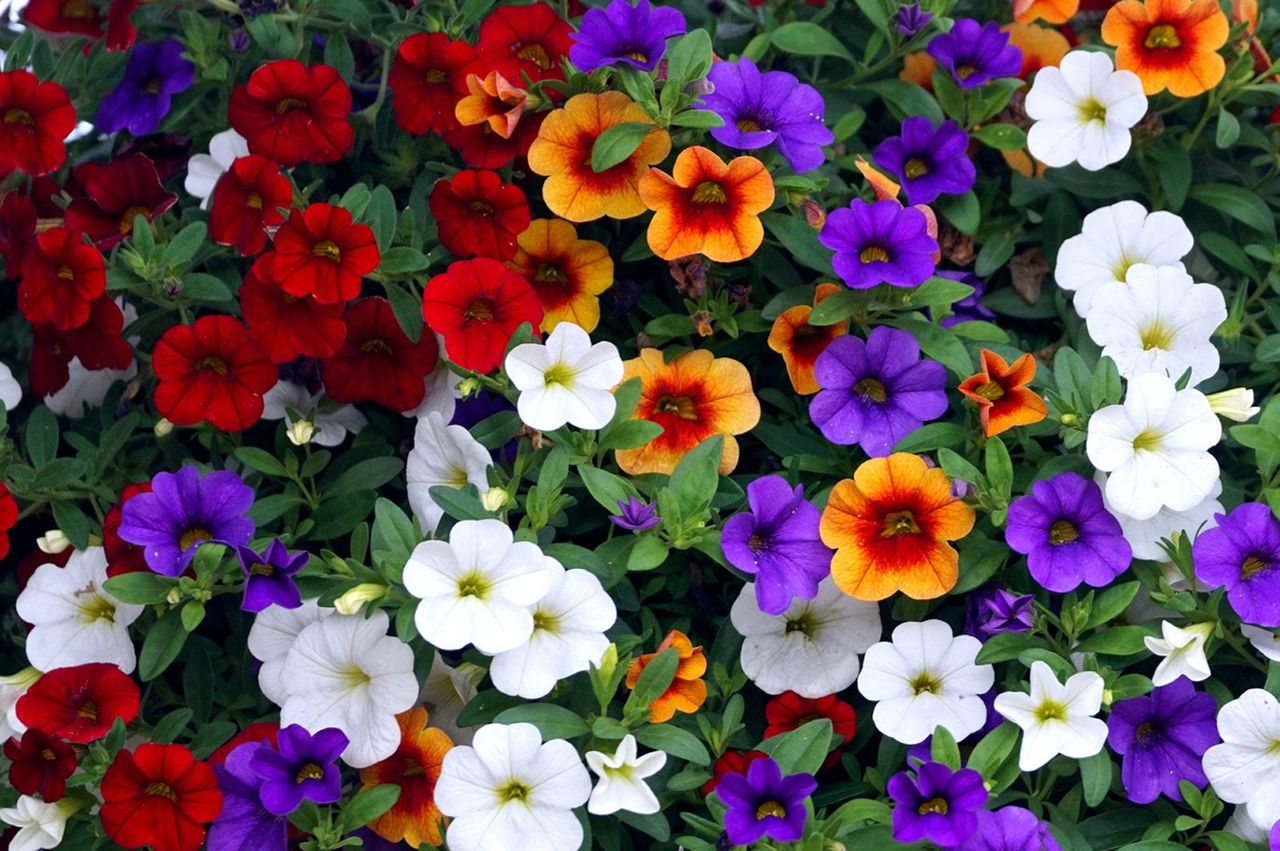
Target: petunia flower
800,343
1056,718
293,113
61,278
211,371
1042,47
493,101
332,425
286,326
273,634
567,274
415,768
880,243
244,823
1162,738
428,77
79,703
1243,555
301,767
446,692
114,194
156,71
1009,829
442,455
38,117
536,37
269,576
1083,111
687,691
477,144
377,361
39,764
634,515
1169,44
975,53
1001,393
10,397
622,779
477,214
566,380
476,306
937,804
1242,770
8,517
12,688
991,610
95,345
763,802
204,170
623,33
39,824
1264,641
928,160
320,251
158,796
247,204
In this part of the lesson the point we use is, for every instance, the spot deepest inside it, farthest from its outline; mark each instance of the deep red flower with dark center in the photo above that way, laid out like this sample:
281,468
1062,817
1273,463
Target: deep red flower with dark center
159,796
17,232
211,371
120,30
122,556
287,326
64,16
98,344
476,305
730,762
247,202
61,277
534,35
8,517
378,362
35,118
427,79
476,213
116,193
320,252
789,711
292,113
80,703
41,764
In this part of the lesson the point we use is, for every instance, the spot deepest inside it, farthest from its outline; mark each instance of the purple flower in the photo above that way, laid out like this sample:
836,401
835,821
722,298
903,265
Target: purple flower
877,392
880,242
269,577
183,511
635,515
1162,737
302,769
770,107
244,824
992,610
910,19
1010,829
970,308
778,542
1243,555
929,161
633,35
1067,535
764,803
938,804
975,53
155,73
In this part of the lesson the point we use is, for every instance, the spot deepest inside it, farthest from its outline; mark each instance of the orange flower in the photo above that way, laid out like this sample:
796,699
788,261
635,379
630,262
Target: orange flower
687,691
1169,44
415,768
1053,11
707,207
890,525
918,68
567,273
493,101
1041,47
800,343
693,397
884,188
1004,400
1024,164
562,153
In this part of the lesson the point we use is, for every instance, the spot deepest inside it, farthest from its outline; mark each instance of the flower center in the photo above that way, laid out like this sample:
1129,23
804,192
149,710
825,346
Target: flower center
456,478
550,273
79,9
286,105
756,543
1145,733
480,207
354,677
991,391
899,523
925,683
873,254
681,406
1050,710
126,219
48,755
964,72
1093,110
748,125
801,623
474,584
1147,439
435,76
1063,532
193,537
708,192
1251,566
914,168
479,310
1156,336
153,86
66,273
18,115
160,789
558,375
376,346
933,805
310,771
771,808
87,710
545,621
97,608
261,569
1162,36
871,388
254,201
513,790
212,362
412,768
328,249
637,56
535,53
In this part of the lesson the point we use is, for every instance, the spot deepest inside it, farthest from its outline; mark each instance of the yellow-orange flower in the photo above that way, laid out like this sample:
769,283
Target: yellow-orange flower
1041,47
1053,11
493,101
687,691
890,526
693,397
567,273
1004,401
415,768
707,207
800,343
884,188
918,68
562,154
1024,164
1169,44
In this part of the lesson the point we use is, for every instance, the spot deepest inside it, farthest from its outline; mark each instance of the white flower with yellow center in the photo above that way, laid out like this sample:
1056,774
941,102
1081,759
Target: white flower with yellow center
1243,769
622,775
565,380
443,455
1083,110
271,637
1182,651
1056,718
1144,536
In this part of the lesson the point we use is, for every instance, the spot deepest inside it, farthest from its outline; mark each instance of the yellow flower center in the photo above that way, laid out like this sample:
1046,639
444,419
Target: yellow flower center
161,790
513,790
435,76
376,346
681,406
1146,439
18,115
328,249
193,536
637,56
964,72
1063,532
66,273
708,192
79,9
126,220
550,273
1156,336
991,391
1162,36
933,805
915,168
801,623
479,310
748,125
214,363
287,105
535,53
97,608
474,584
87,710
310,771
545,621
260,569
899,523
254,201
457,478
558,375
771,808
873,254
1050,710
1252,565
872,389
1093,110
925,683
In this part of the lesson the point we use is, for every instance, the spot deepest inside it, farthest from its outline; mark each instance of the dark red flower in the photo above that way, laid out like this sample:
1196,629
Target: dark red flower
97,343
80,703
320,252
247,202
8,518
35,118
476,305
427,78
288,326
61,278
122,556
41,764
211,371
476,213
261,731
160,796
534,35
291,113
730,762
116,193
378,362
17,232
120,30
789,711
64,16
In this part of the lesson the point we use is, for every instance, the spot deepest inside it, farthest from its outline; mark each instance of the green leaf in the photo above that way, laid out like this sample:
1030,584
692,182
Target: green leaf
605,488
381,216
990,753
675,741
939,343
688,58
1095,776
838,307
1006,646
402,260
369,474
407,308
261,460
164,641
553,721
202,286
905,99
999,468
963,211
139,589
800,241
698,118
1238,203
369,804
630,434
802,749
1002,137
695,479
460,503
1115,641
804,38
1228,130
655,679
647,553
617,143
41,438
943,748
185,244
168,728
937,290
1255,437
1111,603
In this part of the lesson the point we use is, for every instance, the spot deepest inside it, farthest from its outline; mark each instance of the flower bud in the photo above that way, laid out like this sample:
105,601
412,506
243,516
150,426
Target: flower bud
163,428
494,499
53,542
174,596
1235,404
301,432
1108,697
814,215
354,601
1069,420
469,387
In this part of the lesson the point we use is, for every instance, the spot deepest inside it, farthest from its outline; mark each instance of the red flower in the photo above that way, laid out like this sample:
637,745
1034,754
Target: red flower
17,232
120,30
115,194
122,556
476,305
211,371
534,35
427,79
288,326
41,764
477,213
97,344
35,118
160,796
730,762
260,731
8,518
789,711
64,16
81,703
292,113
246,204
378,362
61,277
320,252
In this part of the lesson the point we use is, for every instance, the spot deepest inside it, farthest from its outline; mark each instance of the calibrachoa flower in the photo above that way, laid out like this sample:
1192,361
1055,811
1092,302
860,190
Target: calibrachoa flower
1162,737
634,35
61,278
1242,770
8,515
415,768
243,822
1182,652
247,204
929,160
621,785
443,456
1055,717
269,576
1001,393
293,113
115,193
159,796
535,36
634,515
156,72
567,380
1169,44
37,117
1010,829
1042,47
762,802
302,767
95,345
975,53
880,242
12,688
476,213
10,397
801,344
991,610
687,691
937,804
491,101
40,764
910,19
377,361
320,252
331,424
274,632
1243,555
1083,111
211,371
568,274
80,703
476,306
427,78
40,824
286,326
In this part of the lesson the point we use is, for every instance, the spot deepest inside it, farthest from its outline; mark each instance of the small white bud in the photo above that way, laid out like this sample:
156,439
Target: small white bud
53,542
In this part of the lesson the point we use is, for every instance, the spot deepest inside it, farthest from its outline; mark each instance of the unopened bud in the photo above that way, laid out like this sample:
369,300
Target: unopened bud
163,428
301,432
1070,420
814,215
702,323
494,499
174,596
354,601
1235,404
469,387
833,845
1108,697
53,542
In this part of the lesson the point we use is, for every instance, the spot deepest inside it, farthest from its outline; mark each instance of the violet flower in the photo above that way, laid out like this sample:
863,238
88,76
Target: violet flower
937,804
244,823
975,53
910,19
269,576
303,768
1243,555
762,802
635,515
928,160
880,242
991,610
1162,737
633,35
1009,829
155,73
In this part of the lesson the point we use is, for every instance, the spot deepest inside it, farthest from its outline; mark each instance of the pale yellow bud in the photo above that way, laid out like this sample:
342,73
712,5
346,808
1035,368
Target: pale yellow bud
494,499
163,428
354,601
173,597
53,542
301,432
1235,404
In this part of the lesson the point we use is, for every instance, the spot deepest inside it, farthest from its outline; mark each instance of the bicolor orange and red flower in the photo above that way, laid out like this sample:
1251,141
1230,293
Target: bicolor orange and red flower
1041,47
415,768
693,397
891,525
1169,44
707,206
800,343
562,154
918,68
567,273
1052,11
1001,393
687,691
493,101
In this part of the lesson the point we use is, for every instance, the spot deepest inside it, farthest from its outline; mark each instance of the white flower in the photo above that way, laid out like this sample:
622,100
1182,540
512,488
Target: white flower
1183,652
74,621
204,170
621,785
271,637
1156,447
12,688
924,678
442,393
569,622
477,588
565,380
1243,769
1264,641
1242,826
10,389
1111,240
86,389
510,790
1056,718
40,825
446,693
1235,404
1144,536
332,424
346,672
812,648
1159,320
442,455
1083,110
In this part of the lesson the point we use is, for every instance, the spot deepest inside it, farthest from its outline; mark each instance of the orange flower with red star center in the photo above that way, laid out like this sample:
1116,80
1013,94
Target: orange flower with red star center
1041,47
1004,401
800,343
492,101
687,691
1169,44
415,768
567,273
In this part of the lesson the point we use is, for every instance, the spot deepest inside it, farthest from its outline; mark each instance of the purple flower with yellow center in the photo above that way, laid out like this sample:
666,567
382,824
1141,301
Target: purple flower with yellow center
1243,555
155,73
762,108
880,242
635,515
1010,829
992,610
975,53
762,802
301,767
910,19
633,35
928,160
183,511
269,576
244,822
876,392
937,804
1162,737
777,541
1067,535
